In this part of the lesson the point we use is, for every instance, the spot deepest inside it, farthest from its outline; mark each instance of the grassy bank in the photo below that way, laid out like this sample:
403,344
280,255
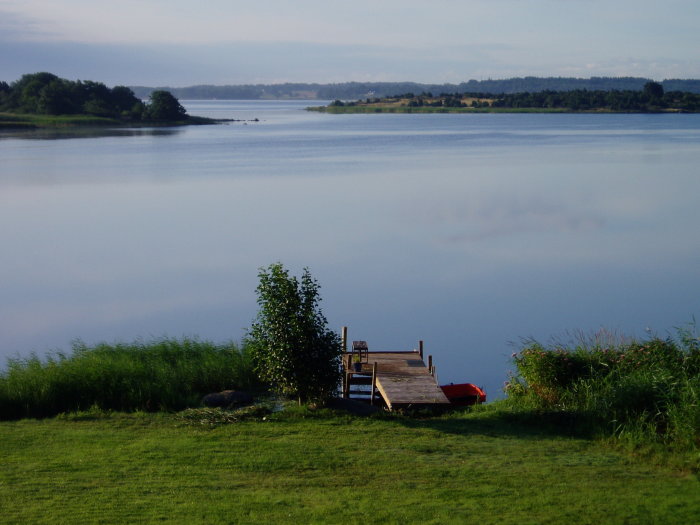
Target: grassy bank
29,121
299,466
165,374
641,393
33,121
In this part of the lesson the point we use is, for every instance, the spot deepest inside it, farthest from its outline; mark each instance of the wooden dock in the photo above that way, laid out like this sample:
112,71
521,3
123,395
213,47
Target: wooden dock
401,378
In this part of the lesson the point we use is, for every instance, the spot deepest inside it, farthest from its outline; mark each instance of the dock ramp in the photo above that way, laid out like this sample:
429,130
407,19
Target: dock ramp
401,378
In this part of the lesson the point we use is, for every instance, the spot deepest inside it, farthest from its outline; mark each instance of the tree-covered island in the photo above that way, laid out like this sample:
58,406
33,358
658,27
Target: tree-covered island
45,100
651,99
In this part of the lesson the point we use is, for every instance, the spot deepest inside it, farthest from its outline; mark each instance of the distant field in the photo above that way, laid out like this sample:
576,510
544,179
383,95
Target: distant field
394,108
299,466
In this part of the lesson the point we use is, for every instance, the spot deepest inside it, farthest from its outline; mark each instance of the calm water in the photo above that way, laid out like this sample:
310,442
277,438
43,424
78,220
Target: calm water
469,232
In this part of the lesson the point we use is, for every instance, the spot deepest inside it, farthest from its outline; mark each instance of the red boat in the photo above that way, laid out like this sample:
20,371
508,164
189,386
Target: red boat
464,394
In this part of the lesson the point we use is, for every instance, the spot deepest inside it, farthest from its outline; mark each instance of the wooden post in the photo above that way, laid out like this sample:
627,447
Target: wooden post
374,383
420,348
344,338
430,364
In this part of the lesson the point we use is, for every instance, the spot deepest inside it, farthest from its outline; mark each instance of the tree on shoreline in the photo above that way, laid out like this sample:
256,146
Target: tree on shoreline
164,106
46,94
292,347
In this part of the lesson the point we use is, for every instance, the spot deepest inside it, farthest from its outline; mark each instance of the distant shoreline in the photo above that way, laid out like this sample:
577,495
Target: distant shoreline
359,90
651,99
369,109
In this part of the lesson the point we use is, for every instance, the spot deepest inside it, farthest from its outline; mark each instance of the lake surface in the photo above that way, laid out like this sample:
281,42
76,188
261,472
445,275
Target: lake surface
467,231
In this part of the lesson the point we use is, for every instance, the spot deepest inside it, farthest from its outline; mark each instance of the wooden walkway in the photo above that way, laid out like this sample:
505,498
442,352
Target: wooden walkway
402,379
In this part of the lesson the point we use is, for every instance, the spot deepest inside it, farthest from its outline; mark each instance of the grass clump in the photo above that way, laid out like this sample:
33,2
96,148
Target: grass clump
213,417
164,374
644,393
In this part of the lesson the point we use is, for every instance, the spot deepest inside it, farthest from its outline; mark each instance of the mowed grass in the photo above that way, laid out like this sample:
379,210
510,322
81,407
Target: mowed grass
299,466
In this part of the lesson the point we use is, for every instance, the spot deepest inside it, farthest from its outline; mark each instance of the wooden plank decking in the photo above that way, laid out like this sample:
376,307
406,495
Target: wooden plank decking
402,379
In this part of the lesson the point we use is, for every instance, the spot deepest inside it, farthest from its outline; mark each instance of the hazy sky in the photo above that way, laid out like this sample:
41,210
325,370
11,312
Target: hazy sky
185,42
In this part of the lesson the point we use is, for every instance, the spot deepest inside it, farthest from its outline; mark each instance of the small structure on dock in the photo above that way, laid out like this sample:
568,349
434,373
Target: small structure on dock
398,378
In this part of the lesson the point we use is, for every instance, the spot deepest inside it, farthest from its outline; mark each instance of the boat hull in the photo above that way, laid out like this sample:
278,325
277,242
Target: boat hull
464,394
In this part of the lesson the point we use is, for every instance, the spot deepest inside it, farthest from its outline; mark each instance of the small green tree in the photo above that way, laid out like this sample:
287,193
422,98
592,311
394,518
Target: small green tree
292,348
164,106
125,102
653,91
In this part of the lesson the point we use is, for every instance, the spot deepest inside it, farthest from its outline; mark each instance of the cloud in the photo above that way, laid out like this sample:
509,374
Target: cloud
234,63
182,21
658,67
182,43
15,27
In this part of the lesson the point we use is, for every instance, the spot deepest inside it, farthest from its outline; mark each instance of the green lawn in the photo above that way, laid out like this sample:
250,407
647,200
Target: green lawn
302,467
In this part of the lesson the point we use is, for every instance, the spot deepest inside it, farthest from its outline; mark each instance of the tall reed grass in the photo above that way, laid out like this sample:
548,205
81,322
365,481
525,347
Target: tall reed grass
164,374
642,392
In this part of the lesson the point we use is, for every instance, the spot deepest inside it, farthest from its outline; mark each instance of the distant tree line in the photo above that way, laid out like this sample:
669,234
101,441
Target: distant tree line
237,92
47,94
491,88
358,90
537,84
651,98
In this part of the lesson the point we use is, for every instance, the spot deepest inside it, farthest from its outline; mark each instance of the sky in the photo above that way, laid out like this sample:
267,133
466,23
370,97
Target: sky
184,42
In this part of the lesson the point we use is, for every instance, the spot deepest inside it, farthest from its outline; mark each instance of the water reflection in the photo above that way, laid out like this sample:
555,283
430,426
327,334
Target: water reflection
85,132
413,231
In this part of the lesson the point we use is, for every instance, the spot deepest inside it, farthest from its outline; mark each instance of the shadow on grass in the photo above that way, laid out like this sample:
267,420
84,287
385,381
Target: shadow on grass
501,423
497,419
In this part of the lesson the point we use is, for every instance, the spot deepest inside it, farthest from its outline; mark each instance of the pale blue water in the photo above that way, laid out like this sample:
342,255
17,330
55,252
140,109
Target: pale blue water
466,231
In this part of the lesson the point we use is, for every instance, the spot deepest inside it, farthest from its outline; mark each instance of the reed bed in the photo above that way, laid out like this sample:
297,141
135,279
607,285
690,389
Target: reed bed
640,392
165,374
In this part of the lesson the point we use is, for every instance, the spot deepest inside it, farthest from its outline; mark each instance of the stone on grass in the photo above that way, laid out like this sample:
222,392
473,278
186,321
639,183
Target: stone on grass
227,399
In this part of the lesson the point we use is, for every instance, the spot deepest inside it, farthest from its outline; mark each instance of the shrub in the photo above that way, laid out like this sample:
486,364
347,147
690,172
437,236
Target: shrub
628,388
292,348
